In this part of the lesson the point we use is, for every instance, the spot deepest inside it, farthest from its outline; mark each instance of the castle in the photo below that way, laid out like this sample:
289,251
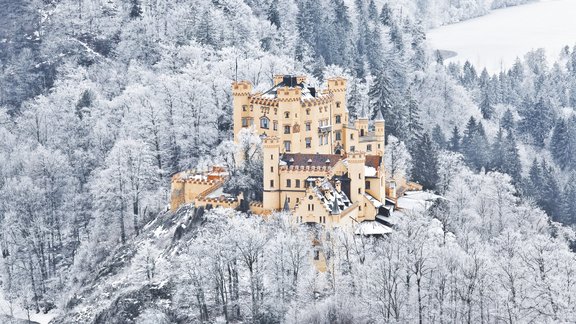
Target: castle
317,163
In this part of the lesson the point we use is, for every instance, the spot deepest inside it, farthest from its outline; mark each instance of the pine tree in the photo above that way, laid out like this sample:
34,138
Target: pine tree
486,105
438,137
567,212
413,124
454,143
469,75
273,14
372,11
425,163
497,152
536,120
386,15
379,95
560,144
550,192
511,161
507,121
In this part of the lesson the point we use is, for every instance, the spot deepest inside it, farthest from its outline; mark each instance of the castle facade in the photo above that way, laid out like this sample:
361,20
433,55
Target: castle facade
317,163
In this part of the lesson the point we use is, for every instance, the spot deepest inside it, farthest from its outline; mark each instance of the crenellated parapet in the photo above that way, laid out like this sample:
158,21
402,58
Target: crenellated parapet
309,168
241,88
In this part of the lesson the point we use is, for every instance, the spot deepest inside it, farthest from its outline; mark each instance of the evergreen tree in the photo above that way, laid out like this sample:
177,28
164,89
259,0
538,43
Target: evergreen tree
561,144
438,137
425,163
413,124
135,9
497,152
549,195
536,120
386,15
274,14
486,106
507,121
567,212
372,11
511,160
475,146
379,95
469,75
454,143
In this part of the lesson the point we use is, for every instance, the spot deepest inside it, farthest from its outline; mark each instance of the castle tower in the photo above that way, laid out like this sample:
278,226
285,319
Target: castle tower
271,154
289,107
356,163
337,86
241,106
379,128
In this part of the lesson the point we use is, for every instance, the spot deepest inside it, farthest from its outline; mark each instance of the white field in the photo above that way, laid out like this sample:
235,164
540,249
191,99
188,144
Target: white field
495,40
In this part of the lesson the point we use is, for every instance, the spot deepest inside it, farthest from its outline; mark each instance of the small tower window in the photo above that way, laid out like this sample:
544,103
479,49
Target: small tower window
287,114
338,104
244,107
369,147
338,119
308,111
275,125
367,185
288,183
338,136
297,186
308,126
308,142
361,132
287,146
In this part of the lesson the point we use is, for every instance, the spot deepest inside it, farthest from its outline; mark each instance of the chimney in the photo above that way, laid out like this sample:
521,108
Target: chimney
312,91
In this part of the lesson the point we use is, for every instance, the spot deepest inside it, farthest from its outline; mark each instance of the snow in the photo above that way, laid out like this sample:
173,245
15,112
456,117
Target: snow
495,40
369,171
21,313
417,200
372,228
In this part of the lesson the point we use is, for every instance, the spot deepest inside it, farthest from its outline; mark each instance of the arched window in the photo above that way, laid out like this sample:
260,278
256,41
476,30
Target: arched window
264,122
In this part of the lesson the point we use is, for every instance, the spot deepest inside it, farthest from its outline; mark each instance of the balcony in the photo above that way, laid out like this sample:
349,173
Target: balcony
324,129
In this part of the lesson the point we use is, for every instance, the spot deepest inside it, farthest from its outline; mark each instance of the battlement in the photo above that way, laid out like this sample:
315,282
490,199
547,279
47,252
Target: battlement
356,156
241,88
258,100
297,168
288,94
271,141
337,84
320,100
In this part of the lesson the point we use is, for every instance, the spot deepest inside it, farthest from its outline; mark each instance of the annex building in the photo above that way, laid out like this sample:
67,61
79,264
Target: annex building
318,164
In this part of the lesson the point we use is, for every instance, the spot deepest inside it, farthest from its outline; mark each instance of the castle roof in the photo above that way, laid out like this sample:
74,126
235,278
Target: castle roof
373,161
291,82
299,159
334,201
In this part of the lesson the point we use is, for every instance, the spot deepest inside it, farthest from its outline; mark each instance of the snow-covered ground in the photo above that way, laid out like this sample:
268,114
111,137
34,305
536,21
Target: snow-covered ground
20,313
495,40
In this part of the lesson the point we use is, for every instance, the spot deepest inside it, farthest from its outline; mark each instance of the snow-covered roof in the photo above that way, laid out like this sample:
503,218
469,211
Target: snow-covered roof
417,200
334,201
372,228
372,200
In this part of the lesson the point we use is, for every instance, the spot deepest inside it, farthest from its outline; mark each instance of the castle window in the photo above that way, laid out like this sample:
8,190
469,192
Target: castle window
338,136
287,146
244,122
319,139
326,139
288,183
369,147
264,122
338,119
288,198
244,107
359,190
308,126
272,183
286,129
308,111
275,125
351,136
338,104
271,169
361,132
352,148
271,156
287,115
367,185
297,200
378,145
275,111
251,108
308,142
297,186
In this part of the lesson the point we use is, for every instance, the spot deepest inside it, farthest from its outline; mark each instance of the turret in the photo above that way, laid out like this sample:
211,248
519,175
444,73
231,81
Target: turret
379,131
271,155
241,105
356,163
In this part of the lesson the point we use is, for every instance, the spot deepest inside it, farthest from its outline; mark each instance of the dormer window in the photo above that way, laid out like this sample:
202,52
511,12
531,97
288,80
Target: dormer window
264,122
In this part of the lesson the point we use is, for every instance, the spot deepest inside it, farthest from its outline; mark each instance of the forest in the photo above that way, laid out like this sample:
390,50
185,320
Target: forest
102,100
